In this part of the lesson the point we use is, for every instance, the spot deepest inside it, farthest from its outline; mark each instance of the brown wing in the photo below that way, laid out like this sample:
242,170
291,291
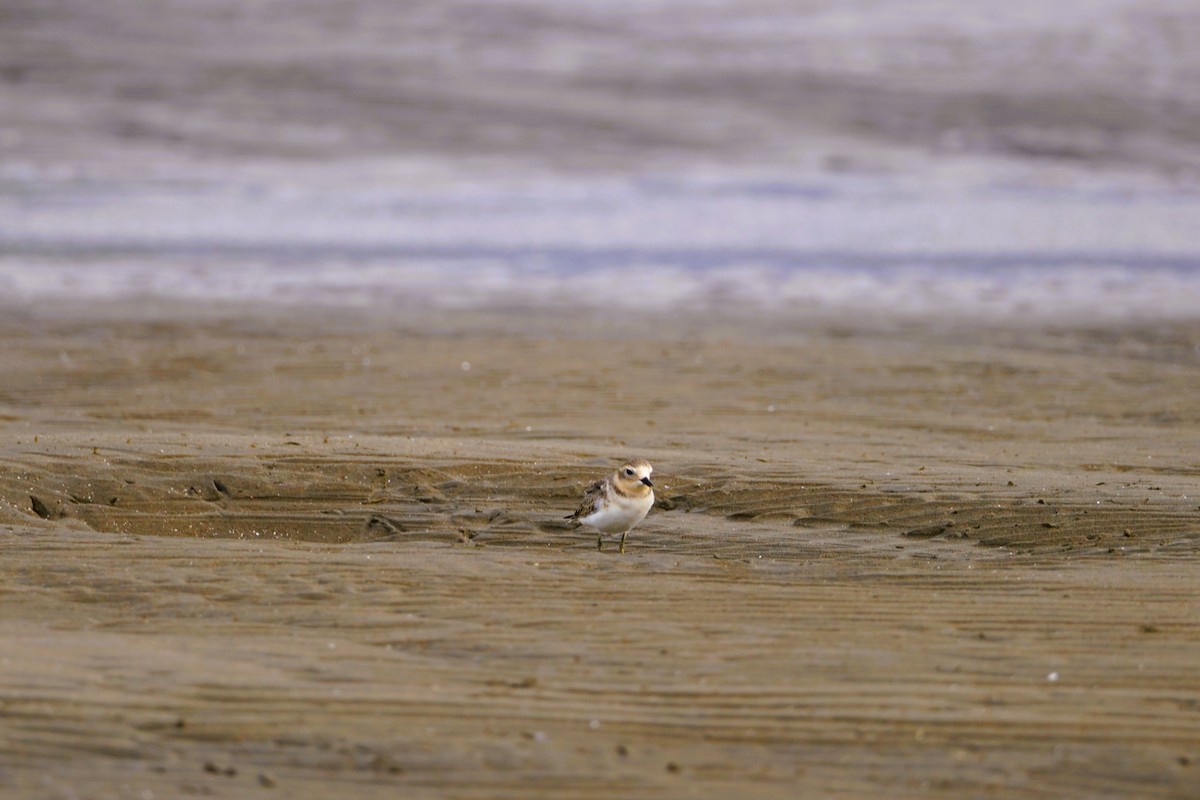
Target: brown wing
594,494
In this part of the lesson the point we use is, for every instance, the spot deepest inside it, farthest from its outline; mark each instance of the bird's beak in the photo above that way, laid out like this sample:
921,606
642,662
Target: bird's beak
647,481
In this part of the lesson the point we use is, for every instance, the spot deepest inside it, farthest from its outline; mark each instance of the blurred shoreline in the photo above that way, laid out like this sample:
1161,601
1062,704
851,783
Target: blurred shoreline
830,159
166,90
790,250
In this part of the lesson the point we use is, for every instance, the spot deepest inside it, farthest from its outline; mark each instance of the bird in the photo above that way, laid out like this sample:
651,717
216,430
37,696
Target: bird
618,502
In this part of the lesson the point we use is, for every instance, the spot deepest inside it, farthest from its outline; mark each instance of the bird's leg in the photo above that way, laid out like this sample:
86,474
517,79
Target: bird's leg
600,543
623,535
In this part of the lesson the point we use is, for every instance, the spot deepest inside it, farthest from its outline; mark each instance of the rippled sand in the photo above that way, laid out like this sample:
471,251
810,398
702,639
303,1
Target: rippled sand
252,551
309,556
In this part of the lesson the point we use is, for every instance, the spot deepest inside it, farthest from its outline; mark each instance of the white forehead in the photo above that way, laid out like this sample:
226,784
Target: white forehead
642,468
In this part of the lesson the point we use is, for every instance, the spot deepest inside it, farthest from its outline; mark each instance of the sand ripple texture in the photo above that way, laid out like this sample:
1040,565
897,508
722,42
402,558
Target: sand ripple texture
288,559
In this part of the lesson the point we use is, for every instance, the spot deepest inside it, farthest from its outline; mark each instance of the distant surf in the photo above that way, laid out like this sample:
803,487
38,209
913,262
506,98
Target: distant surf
833,248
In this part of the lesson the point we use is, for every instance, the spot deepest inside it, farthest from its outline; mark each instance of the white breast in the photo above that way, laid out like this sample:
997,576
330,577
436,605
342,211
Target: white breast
619,514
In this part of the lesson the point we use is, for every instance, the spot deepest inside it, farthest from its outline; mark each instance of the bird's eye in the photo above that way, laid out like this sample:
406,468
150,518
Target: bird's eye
629,472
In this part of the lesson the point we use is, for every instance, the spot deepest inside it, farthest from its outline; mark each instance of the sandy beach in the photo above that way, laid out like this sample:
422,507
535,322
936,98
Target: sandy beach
315,322
308,556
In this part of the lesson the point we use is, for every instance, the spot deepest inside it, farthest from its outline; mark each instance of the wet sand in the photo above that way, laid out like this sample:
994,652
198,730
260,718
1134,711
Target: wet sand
309,555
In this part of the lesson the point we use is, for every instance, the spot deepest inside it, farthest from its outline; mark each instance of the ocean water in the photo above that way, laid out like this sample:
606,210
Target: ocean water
836,248
833,158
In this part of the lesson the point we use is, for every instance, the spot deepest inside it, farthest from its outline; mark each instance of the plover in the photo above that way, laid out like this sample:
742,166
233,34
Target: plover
617,503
